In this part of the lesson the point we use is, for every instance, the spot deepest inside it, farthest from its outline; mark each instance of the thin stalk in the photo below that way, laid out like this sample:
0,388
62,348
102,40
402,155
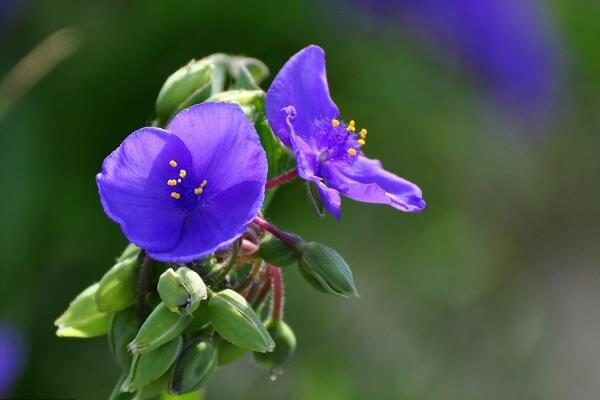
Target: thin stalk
276,278
221,272
282,179
278,233
245,284
263,292
143,284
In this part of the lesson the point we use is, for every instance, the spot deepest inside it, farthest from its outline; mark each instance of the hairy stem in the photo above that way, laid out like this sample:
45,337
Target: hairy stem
263,292
143,284
276,278
281,179
278,233
245,284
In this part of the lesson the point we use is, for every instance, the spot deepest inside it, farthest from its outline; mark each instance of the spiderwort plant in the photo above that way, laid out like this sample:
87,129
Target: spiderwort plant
329,151
201,282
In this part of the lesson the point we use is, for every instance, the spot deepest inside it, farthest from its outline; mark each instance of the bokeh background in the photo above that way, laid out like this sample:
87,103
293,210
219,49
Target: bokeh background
492,107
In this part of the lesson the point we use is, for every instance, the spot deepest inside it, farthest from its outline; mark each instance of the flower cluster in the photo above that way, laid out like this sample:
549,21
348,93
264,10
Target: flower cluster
200,283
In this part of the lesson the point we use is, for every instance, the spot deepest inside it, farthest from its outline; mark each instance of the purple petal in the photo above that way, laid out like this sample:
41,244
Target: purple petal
215,226
367,181
301,83
223,143
134,192
331,199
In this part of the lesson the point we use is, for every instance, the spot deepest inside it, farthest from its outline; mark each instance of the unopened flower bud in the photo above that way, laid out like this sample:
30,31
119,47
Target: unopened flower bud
181,290
188,85
250,101
285,345
160,327
236,321
228,352
200,318
131,251
82,319
147,367
194,367
123,328
154,388
325,269
117,288
276,252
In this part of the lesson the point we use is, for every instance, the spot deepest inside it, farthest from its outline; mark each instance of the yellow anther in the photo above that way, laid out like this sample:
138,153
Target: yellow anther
198,190
335,122
352,152
351,123
351,128
361,142
363,133
182,173
173,163
171,182
175,195
204,182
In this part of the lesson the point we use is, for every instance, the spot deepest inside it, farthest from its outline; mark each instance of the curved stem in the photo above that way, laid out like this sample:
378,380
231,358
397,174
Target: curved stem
250,277
221,272
277,311
282,179
263,292
143,284
278,233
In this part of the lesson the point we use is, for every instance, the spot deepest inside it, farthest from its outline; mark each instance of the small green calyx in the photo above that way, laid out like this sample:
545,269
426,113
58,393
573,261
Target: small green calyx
285,345
326,270
123,328
235,320
82,318
181,290
194,367
160,327
276,252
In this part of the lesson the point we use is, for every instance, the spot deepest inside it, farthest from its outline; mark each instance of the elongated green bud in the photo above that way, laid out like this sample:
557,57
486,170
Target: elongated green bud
236,321
326,270
276,252
147,367
181,290
131,251
82,319
123,328
285,345
228,352
159,328
194,367
200,318
188,85
154,388
117,393
250,101
117,288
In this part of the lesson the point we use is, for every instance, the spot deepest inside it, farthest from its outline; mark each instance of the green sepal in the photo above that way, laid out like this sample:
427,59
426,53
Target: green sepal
146,368
276,252
228,352
181,290
194,367
285,345
236,321
160,327
117,393
154,388
117,288
200,318
123,328
82,319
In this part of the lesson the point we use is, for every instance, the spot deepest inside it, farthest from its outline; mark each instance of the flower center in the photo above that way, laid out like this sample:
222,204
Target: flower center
185,190
337,141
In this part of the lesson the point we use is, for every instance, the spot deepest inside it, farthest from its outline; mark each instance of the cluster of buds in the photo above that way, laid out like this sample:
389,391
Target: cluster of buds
201,283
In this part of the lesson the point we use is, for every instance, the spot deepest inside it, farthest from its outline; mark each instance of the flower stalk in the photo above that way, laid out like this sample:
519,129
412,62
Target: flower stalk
282,179
276,278
278,233
143,284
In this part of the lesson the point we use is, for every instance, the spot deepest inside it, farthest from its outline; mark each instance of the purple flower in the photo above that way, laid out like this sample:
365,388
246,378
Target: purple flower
328,151
186,191
12,357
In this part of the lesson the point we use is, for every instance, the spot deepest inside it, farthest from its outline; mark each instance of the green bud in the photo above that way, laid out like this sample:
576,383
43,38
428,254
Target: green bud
200,318
160,327
181,290
326,270
117,393
285,345
228,352
276,252
130,251
154,388
123,328
117,288
194,367
82,319
147,367
250,101
188,85
236,321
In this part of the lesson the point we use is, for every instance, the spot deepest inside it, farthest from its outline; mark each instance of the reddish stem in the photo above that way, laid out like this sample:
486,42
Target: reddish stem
264,290
281,179
143,285
279,234
277,280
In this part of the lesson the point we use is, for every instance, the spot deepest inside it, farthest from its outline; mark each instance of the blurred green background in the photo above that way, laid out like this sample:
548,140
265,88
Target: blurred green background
493,292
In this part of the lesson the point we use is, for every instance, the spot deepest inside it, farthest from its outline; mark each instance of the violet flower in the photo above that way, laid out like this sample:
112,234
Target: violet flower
328,151
189,190
12,357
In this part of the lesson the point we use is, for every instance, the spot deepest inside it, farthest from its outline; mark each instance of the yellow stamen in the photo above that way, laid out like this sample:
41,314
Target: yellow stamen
352,152
361,142
182,173
173,163
198,190
335,122
351,128
175,195
171,182
351,123
204,182
363,133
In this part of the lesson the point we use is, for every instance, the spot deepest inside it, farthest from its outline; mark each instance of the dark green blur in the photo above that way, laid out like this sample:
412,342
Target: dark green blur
492,292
